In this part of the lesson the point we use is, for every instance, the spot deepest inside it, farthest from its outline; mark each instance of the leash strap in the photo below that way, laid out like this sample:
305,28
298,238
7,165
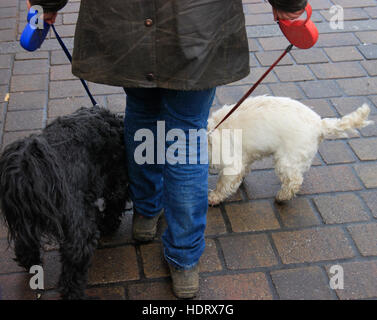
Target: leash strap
94,102
247,94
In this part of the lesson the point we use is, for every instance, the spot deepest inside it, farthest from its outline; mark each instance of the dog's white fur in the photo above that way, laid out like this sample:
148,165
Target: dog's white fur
278,126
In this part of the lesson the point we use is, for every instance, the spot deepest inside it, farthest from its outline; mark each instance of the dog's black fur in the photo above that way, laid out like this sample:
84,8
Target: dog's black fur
49,186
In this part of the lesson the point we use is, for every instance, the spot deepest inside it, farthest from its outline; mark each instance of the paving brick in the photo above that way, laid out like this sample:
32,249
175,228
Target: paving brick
338,54
122,235
7,3
353,4
253,62
256,216
346,105
372,11
61,72
293,73
215,222
364,236
360,280
116,102
210,262
358,86
16,286
273,43
154,263
114,265
261,184
367,37
255,74
370,130
70,18
247,251
231,94
251,286
30,67
10,137
63,89
29,83
4,76
258,19
267,58
320,106
369,51
308,283
59,57
65,31
311,245
253,45
337,70
297,213
24,120
286,90
60,107
365,149
96,88
113,293
71,7
329,179
5,61
335,152
7,264
371,200
338,39
314,55
212,180
257,8
35,55
151,291
8,12
349,14
321,4
370,66
7,23
7,35
368,174
341,208
321,89
27,100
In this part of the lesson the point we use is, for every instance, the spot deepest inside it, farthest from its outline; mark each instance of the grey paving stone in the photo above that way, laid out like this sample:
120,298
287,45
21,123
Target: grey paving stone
29,83
337,70
314,55
27,100
346,105
320,89
358,86
336,152
286,90
346,53
24,120
30,67
4,76
369,51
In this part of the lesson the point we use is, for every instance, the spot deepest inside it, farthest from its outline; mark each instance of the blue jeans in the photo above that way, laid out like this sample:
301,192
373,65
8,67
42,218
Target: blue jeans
181,189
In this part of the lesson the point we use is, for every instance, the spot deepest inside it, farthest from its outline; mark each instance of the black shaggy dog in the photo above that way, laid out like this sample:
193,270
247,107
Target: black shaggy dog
52,186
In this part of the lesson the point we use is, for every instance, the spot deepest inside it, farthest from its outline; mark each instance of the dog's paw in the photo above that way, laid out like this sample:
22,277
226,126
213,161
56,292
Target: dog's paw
213,199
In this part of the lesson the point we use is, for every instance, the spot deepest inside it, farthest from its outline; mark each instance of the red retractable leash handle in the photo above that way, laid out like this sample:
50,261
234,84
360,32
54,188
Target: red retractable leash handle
300,33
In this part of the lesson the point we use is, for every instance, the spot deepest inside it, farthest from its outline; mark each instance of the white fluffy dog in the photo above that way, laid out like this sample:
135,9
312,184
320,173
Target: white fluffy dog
282,127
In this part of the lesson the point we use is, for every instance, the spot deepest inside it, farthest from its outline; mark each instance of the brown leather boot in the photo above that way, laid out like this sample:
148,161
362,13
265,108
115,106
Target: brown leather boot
185,282
144,228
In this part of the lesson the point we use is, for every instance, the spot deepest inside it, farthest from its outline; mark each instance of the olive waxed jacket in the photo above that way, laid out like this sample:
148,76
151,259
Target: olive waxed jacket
174,44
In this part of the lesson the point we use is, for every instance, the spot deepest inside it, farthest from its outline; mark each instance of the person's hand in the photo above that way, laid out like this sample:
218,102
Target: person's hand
284,15
49,17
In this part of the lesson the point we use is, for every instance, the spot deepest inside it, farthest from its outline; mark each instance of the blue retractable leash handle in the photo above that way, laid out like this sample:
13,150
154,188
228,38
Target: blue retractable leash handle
32,38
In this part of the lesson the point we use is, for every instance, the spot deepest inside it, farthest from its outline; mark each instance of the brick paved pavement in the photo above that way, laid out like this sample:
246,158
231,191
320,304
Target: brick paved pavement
255,249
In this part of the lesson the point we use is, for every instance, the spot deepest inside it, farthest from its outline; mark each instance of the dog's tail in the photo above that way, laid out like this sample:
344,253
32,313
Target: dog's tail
347,124
33,191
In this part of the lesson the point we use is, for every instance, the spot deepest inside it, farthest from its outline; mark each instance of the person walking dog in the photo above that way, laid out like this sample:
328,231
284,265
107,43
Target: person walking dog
169,56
